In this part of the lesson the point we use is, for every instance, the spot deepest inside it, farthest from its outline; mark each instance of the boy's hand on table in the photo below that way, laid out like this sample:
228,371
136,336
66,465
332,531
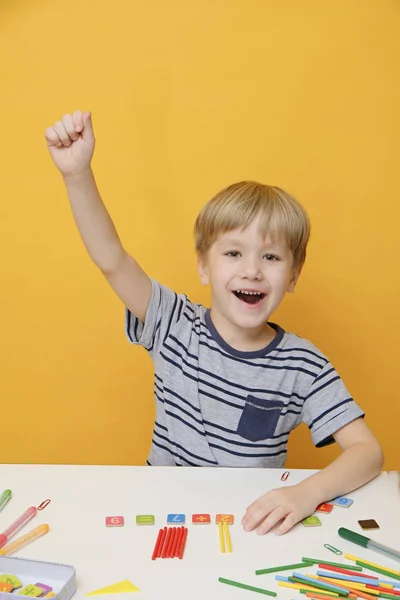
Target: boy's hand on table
286,506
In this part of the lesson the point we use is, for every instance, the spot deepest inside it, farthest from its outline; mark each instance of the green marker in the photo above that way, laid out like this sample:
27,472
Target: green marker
362,540
4,498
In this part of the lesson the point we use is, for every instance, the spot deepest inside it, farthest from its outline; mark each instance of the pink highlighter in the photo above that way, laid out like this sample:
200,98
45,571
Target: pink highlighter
16,526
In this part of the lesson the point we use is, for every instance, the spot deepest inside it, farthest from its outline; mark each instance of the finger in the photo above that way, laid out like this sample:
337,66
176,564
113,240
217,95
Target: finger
287,524
273,518
62,134
87,132
52,138
255,513
77,120
69,127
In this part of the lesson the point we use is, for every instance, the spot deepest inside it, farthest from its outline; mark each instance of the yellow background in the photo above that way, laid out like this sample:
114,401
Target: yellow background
187,97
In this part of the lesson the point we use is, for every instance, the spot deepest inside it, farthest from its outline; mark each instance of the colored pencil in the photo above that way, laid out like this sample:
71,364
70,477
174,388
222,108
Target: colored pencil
283,568
221,537
183,543
157,544
317,561
246,587
227,536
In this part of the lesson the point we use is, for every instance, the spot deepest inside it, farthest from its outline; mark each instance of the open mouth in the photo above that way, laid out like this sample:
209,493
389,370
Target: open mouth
249,297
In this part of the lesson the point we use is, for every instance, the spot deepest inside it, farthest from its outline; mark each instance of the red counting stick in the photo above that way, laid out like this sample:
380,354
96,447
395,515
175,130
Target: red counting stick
167,539
171,542
183,543
175,543
345,571
179,540
157,545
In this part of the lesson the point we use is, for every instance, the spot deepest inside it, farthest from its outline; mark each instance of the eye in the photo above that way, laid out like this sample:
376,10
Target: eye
271,257
233,253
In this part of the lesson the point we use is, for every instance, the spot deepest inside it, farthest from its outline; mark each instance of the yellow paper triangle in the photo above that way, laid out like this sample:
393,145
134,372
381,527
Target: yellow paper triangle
115,588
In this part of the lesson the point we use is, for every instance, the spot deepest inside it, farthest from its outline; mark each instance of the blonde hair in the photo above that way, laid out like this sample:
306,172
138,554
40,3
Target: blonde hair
239,204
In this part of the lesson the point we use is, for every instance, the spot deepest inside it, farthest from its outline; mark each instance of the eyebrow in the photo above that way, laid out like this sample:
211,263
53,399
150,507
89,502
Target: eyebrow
266,245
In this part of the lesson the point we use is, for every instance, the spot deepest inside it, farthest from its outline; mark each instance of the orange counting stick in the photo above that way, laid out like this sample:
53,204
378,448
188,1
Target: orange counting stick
171,543
183,543
175,543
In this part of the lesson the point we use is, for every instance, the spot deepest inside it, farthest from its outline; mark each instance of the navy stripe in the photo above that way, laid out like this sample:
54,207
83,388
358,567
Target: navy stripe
251,363
148,463
248,455
324,374
326,412
171,317
233,384
200,458
174,455
321,387
325,423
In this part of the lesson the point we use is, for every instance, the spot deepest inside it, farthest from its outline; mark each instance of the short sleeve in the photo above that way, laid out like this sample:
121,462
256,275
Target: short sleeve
164,310
328,406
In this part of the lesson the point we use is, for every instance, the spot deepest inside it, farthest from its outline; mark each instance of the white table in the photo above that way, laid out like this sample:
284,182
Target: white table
82,497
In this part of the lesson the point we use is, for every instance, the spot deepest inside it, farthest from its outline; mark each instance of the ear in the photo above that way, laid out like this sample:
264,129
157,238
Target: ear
295,277
202,268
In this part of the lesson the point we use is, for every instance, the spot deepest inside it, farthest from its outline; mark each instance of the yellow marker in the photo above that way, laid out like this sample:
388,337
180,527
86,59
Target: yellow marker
221,537
24,539
367,562
309,588
227,536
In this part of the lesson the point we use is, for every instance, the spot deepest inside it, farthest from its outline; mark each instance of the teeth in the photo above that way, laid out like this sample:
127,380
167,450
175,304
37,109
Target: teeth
249,293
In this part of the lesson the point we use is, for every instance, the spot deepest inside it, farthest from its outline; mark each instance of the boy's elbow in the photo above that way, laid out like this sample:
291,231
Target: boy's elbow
376,458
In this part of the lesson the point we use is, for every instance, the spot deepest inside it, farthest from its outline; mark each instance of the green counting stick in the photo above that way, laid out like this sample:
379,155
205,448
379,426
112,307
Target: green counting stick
317,561
4,498
377,570
284,568
246,587
318,584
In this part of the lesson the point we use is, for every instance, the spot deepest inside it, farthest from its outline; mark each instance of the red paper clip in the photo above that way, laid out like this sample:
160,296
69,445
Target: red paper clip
285,476
43,504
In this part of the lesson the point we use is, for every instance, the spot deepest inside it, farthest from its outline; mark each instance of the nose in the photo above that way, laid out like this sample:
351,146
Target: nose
252,268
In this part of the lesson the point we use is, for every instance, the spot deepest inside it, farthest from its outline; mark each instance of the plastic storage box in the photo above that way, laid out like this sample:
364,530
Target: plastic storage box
62,578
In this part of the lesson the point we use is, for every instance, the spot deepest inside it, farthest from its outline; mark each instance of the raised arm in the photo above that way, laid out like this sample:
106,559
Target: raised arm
71,143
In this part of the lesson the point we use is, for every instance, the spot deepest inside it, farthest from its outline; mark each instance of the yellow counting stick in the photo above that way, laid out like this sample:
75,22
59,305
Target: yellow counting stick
309,588
24,539
221,537
367,562
227,536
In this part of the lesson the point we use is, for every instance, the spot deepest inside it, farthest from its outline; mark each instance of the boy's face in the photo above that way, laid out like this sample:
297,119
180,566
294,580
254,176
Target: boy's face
249,277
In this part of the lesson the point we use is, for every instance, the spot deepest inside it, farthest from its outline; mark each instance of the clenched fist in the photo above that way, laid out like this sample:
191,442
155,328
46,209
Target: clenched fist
71,142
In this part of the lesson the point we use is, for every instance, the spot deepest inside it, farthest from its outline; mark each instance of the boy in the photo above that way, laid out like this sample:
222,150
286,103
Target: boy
229,384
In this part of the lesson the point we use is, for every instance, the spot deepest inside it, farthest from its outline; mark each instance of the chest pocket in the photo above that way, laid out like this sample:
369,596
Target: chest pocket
259,418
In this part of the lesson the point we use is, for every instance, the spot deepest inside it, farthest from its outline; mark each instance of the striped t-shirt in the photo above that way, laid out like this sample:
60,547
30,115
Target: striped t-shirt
217,406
